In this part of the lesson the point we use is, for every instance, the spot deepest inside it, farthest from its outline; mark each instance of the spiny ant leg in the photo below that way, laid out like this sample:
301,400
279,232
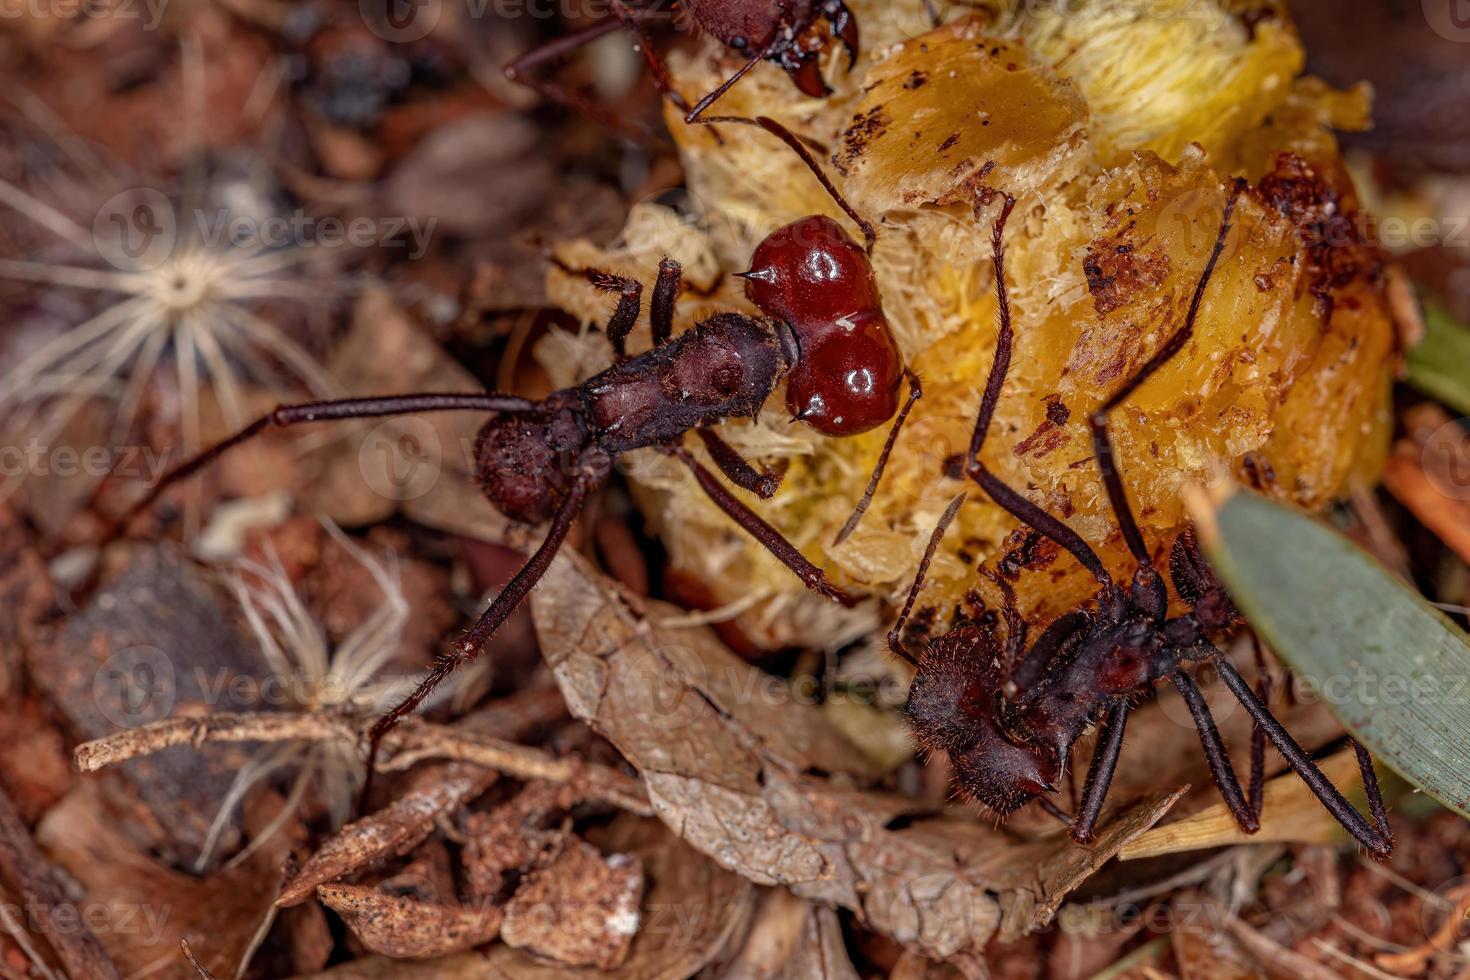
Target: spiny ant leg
1100,773
1098,421
1055,640
321,411
916,392
666,291
762,482
630,302
895,635
1215,754
770,538
1054,810
1377,839
467,646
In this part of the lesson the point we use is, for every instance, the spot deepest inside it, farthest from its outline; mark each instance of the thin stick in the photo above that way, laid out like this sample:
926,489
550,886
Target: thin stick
27,873
895,635
412,742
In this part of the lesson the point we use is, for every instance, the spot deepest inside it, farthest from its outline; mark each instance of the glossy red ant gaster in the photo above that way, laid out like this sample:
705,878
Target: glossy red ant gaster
785,32
537,461
1008,717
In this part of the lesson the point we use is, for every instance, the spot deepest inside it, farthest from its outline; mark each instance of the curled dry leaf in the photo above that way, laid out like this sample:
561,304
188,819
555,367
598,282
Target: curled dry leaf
580,908
403,927
757,780
692,912
391,832
512,836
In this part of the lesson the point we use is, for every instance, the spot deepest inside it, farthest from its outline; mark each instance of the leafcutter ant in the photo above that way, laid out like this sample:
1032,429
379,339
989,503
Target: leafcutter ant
1008,716
822,331
785,32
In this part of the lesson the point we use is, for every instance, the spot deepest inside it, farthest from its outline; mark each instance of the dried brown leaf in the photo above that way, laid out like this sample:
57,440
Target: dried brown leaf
738,767
793,938
581,908
403,927
391,832
692,911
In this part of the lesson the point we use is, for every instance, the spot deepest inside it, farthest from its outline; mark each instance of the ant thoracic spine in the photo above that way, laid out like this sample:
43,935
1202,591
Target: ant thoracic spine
1008,717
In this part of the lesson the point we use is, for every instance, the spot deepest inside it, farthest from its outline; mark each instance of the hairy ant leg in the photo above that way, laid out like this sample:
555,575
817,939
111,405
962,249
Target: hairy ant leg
322,411
632,20
1258,734
762,482
625,314
754,525
695,116
1219,760
666,290
1100,773
1376,836
466,648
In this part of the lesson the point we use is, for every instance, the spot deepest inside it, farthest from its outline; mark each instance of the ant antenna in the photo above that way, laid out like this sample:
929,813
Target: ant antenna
870,234
895,635
916,391
1098,421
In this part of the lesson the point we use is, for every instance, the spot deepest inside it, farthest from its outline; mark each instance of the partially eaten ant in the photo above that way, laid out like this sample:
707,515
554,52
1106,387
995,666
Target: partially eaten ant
1008,717
539,461
785,32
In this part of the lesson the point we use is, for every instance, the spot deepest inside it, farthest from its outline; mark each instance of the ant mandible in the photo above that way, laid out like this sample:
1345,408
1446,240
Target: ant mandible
538,461
1008,717
781,31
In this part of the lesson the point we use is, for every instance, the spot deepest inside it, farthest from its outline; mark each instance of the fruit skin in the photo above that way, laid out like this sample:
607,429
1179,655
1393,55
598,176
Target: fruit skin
1277,388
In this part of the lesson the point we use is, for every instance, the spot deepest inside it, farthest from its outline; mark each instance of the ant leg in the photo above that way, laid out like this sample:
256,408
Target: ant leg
467,646
1258,734
757,528
895,635
631,20
630,301
1215,754
1098,421
1376,836
1374,793
1053,810
845,26
666,291
522,69
1100,774
694,116
1054,640
916,391
329,411
1009,500
762,482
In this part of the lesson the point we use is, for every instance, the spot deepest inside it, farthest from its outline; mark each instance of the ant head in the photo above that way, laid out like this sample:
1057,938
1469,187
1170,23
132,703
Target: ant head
849,370
1004,775
811,272
954,707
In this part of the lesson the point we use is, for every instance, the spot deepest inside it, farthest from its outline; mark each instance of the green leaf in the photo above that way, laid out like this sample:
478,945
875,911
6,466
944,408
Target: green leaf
1395,670
1439,365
